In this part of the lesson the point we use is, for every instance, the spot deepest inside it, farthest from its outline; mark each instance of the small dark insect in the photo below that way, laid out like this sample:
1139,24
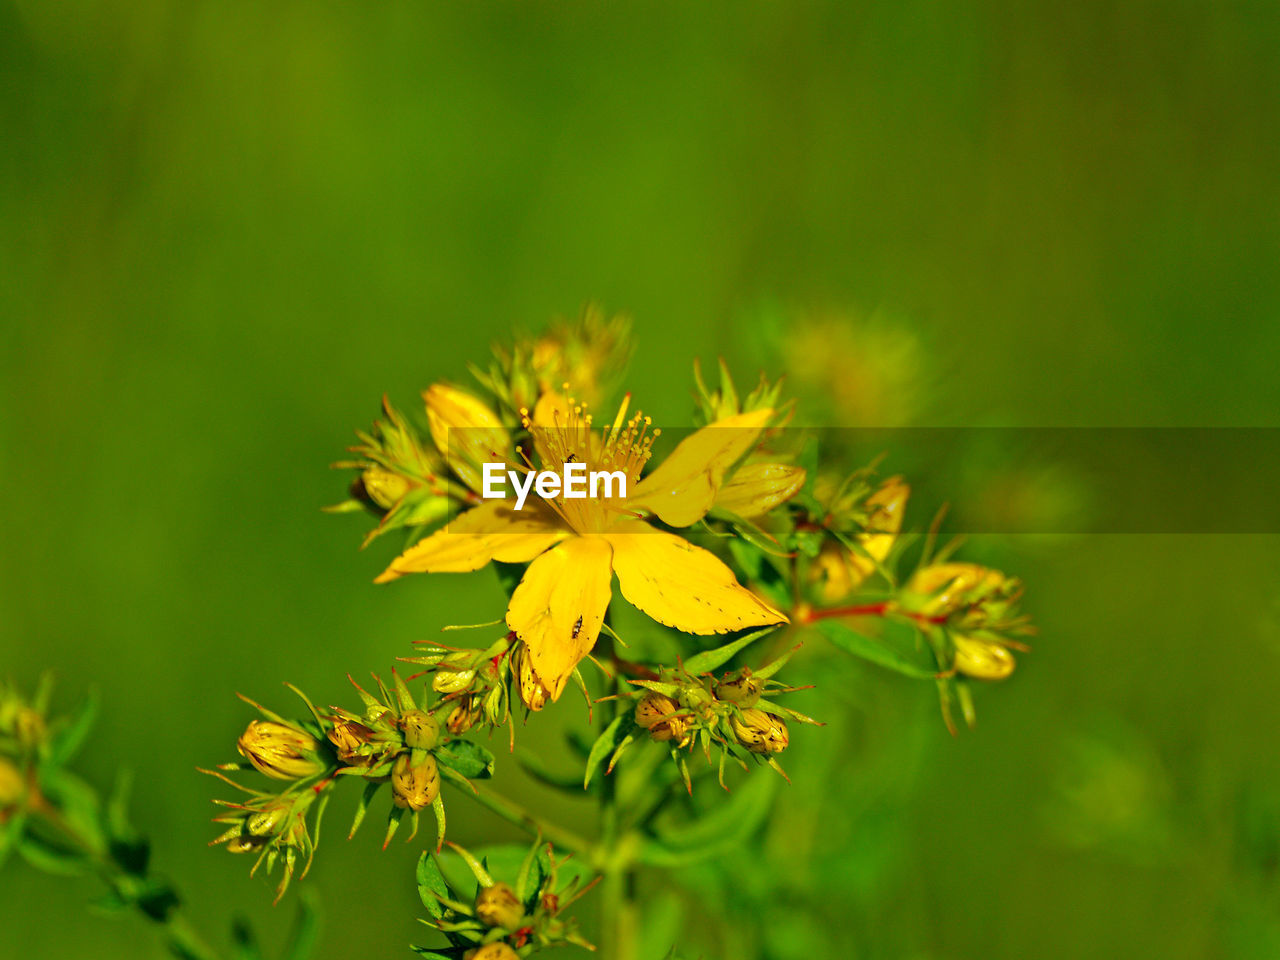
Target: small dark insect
577,628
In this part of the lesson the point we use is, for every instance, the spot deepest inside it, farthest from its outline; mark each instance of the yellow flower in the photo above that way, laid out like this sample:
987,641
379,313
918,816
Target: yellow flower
577,545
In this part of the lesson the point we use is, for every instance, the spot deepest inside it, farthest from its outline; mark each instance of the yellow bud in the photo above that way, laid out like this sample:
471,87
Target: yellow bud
533,692
760,732
30,727
384,488
832,573
981,660
421,730
463,717
662,717
498,906
759,487
244,844
452,681
466,431
741,688
279,750
267,823
348,737
946,587
13,787
415,785
492,951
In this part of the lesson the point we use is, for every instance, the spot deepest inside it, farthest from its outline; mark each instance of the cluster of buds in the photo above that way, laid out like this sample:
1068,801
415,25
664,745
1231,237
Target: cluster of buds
403,742
401,479
395,740
274,827
726,402
24,726
971,617
478,686
854,533
25,734
475,686
735,713
978,608
505,920
592,350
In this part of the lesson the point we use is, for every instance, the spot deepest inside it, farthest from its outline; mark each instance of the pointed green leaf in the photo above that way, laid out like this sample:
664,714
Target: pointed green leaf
467,758
851,641
711,659
605,744
431,884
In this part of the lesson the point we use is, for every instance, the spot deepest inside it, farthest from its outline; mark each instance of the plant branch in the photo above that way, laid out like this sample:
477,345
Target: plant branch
514,813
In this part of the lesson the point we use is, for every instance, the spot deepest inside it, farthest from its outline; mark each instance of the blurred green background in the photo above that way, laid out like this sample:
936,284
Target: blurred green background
226,229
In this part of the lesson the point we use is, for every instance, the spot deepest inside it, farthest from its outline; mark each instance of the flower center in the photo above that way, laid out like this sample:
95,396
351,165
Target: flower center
571,437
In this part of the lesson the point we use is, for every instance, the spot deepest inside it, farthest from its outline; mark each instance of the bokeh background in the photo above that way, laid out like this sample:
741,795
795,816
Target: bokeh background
226,229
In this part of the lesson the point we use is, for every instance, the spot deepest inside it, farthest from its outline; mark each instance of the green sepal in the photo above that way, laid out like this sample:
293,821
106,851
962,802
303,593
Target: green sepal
64,743
362,807
711,659
467,758
608,741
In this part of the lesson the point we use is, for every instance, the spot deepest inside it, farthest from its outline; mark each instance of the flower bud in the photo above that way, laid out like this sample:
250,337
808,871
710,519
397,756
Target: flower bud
760,732
245,844
267,823
280,751
13,788
30,727
421,730
981,660
885,509
759,487
452,681
463,717
492,951
741,688
498,906
661,716
533,692
383,488
348,738
945,588
466,431
415,784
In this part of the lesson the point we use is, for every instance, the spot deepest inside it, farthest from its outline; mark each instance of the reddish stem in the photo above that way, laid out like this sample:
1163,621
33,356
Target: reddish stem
866,610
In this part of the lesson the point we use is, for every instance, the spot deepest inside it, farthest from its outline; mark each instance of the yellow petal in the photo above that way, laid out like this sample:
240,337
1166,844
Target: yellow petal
491,531
683,487
681,585
466,431
757,488
559,606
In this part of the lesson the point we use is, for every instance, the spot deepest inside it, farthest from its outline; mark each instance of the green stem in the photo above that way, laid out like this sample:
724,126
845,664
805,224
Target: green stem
512,812
618,918
182,937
